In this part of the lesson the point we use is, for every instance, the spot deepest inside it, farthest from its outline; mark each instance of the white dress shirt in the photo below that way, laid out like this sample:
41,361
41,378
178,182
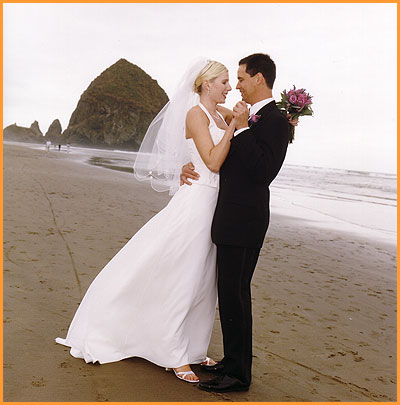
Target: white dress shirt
254,109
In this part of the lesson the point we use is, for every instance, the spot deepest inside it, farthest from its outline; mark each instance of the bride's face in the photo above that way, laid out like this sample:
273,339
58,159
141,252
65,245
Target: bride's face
219,88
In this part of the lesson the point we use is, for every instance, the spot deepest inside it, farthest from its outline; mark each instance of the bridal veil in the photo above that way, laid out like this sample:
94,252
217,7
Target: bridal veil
163,151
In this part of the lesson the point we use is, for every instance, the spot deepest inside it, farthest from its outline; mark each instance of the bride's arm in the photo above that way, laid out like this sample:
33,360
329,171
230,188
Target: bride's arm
197,128
226,113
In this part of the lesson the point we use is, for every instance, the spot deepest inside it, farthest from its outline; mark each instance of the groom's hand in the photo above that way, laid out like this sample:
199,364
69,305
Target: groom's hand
241,115
188,173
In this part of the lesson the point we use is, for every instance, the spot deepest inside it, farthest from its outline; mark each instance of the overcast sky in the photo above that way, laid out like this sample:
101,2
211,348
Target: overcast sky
343,54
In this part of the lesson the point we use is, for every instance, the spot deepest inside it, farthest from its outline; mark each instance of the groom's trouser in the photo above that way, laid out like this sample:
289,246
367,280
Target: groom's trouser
235,269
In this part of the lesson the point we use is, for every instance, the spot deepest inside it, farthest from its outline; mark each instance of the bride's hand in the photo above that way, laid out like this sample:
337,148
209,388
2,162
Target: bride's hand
241,115
293,122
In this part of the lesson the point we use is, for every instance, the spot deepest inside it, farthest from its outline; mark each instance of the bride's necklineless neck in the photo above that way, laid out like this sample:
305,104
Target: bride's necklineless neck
213,113
215,116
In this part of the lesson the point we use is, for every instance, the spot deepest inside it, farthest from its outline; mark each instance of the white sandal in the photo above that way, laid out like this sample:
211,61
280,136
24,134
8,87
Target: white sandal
207,362
182,374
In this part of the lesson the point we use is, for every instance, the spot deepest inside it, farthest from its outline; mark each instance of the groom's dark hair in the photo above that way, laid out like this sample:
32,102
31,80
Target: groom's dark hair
260,63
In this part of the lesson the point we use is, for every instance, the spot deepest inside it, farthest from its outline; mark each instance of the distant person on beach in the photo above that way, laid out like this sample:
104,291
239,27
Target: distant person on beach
48,144
59,147
156,299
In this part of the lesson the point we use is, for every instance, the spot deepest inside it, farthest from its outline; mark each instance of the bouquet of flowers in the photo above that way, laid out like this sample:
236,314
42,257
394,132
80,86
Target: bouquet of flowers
295,102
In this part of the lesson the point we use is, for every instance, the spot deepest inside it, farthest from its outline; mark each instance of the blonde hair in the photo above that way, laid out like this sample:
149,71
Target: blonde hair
210,72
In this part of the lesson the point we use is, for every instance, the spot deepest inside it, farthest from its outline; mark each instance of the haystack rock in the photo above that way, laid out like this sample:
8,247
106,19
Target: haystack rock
22,134
54,132
116,108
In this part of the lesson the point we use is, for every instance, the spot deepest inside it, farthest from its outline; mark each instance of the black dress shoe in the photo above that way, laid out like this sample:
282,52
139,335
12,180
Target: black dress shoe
224,383
216,368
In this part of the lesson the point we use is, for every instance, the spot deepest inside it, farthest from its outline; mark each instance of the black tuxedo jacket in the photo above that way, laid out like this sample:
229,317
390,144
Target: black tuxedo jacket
256,155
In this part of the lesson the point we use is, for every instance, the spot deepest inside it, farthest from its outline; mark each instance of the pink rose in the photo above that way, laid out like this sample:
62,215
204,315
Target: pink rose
293,99
301,100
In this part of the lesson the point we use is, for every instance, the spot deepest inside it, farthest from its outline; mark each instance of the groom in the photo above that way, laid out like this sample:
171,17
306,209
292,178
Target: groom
242,214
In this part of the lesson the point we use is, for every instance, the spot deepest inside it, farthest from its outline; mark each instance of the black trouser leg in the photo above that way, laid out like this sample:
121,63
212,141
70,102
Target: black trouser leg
235,269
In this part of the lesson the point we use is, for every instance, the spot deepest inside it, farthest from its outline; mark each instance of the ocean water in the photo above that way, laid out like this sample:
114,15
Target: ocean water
361,203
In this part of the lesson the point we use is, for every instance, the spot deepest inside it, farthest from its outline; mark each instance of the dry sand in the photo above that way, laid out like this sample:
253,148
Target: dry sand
324,302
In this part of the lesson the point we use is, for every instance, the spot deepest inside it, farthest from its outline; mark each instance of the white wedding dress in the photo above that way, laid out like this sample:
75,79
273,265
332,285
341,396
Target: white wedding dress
156,299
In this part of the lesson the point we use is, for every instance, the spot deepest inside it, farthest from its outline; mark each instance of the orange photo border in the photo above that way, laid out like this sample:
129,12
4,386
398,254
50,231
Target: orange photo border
177,2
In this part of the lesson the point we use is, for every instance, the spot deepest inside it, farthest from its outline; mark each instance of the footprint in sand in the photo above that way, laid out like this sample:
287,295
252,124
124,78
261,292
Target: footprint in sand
363,344
39,382
101,398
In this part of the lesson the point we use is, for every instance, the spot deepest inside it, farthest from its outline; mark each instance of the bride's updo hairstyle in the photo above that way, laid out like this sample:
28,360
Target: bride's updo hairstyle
210,72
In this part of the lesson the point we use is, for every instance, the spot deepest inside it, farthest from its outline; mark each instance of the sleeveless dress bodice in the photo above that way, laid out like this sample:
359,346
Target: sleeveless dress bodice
207,177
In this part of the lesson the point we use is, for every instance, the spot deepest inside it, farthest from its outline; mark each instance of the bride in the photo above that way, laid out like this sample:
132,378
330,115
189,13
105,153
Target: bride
156,298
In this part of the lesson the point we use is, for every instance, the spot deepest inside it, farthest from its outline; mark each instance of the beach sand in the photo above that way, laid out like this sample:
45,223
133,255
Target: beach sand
324,301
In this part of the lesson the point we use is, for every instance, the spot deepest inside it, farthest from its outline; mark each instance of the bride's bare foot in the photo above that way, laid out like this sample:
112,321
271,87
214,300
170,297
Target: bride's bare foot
208,362
185,373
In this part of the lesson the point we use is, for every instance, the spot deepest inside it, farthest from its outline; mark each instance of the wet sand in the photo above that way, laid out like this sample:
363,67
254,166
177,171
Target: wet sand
324,301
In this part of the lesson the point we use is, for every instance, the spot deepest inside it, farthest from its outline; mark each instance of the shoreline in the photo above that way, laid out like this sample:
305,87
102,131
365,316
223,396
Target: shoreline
343,208
38,146
324,302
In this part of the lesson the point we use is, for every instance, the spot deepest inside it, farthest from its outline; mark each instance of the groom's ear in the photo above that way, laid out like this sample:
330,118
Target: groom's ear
260,79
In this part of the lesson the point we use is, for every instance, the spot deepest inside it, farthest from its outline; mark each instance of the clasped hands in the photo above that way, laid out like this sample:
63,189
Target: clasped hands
241,116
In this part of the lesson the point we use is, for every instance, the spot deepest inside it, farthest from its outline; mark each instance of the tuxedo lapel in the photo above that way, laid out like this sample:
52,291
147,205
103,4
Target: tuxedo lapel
267,108
263,112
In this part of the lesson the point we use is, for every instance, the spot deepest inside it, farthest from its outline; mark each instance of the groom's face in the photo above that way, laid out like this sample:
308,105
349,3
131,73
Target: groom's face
246,84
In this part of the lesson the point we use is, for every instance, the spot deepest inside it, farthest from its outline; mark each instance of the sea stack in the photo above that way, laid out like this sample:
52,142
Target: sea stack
22,134
53,134
116,109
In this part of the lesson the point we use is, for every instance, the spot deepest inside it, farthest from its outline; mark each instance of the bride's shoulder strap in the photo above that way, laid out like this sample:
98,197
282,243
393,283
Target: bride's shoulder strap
205,111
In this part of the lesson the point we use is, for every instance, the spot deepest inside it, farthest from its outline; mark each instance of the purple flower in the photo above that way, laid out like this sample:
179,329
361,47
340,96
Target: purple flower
296,103
301,100
254,118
